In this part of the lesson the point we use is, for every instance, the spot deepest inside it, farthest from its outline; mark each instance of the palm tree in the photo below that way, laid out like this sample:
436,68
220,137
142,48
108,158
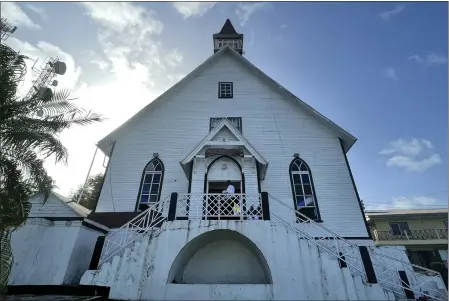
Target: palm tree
29,129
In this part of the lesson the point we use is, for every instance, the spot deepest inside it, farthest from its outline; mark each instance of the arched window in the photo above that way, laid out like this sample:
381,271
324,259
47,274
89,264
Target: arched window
303,190
151,184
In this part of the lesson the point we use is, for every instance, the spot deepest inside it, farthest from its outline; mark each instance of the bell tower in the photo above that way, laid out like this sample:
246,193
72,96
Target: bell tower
228,36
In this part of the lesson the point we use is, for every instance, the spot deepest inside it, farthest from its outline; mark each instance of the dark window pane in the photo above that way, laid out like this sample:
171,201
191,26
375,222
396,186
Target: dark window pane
303,167
148,178
158,166
144,199
403,226
300,201
298,190
305,178
296,179
307,190
395,229
145,188
295,166
153,198
157,178
154,189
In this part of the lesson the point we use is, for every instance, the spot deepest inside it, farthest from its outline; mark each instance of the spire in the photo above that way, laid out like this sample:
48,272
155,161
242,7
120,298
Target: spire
228,36
228,28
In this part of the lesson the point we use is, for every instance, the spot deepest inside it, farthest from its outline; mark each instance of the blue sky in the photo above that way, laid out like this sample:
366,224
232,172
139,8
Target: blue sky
378,69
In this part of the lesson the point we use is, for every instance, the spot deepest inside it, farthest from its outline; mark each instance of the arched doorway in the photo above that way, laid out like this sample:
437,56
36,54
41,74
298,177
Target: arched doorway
216,204
220,257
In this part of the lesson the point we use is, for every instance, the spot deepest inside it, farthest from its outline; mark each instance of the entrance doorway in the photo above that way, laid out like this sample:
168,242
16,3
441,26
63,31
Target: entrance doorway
218,205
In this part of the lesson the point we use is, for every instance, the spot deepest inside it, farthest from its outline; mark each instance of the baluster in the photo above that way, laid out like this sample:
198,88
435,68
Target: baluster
207,206
436,231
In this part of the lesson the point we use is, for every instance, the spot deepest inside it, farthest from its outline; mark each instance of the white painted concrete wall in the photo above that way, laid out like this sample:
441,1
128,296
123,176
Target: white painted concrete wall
298,270
42,252
276,127
51,253
81,255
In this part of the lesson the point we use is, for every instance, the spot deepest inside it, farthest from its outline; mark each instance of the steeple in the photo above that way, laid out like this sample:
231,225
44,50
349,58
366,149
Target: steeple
228,36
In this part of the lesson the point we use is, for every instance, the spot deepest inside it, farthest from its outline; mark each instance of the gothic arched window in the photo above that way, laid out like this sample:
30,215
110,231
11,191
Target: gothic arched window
151,184
303,190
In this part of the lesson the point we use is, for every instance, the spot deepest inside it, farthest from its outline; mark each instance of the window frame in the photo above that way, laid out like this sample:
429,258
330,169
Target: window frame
400,229
316,211
218,119
140,206
220,90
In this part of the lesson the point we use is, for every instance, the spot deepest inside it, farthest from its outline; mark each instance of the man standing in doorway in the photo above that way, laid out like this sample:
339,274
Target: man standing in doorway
229,199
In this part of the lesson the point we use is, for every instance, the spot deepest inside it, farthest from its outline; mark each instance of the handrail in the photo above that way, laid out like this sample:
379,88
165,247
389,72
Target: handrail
373,254
132,230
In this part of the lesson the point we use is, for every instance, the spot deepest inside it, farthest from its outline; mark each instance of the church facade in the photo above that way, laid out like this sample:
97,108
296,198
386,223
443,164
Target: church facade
294,228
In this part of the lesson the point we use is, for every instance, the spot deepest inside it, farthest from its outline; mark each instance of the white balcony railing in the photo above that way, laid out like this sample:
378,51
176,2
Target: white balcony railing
427,234
208,206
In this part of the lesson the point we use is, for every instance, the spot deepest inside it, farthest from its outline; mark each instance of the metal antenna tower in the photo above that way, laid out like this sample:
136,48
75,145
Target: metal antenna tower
6,29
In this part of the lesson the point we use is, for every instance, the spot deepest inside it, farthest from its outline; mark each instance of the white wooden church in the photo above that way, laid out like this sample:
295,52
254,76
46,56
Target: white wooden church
293,229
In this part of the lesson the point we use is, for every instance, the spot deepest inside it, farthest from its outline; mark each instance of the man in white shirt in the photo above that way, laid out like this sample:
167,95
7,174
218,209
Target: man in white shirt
230,188
228,200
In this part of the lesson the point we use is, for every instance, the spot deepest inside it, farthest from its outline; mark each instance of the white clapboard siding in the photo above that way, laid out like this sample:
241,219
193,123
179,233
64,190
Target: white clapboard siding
275,126
53,207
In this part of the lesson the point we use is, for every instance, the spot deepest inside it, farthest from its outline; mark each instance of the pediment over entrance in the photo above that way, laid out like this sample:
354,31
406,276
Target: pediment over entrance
224,139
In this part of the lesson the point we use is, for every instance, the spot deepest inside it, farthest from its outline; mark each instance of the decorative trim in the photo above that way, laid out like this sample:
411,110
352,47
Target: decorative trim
356,191
136,208
105,174
318,218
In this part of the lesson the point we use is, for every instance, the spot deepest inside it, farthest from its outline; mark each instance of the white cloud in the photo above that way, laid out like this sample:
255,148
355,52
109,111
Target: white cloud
405,154
40,11
102,64
14,14
413,164
432,59
174,58
390,73
245,10
413,202
193,9
386,15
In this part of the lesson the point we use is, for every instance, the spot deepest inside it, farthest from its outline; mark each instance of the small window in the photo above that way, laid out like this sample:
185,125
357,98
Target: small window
225,90
398,228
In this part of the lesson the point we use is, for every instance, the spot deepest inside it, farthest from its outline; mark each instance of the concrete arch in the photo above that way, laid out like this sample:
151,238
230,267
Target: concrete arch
220,257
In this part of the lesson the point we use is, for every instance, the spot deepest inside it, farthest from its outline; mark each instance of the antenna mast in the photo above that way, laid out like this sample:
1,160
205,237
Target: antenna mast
6,29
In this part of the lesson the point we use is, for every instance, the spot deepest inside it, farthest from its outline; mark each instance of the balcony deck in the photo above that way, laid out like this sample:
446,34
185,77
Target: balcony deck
412,237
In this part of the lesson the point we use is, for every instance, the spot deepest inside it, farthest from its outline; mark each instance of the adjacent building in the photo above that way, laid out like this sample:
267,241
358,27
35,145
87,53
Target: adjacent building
423,233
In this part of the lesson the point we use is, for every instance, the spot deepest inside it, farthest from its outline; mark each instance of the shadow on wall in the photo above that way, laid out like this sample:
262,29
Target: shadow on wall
220,257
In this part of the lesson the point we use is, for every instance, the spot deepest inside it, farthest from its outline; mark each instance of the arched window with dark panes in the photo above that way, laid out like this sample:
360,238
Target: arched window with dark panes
303,191
151,184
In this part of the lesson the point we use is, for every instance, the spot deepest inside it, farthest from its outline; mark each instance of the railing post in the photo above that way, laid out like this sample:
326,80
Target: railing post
436,231
265,206
406,235
376,236
172,206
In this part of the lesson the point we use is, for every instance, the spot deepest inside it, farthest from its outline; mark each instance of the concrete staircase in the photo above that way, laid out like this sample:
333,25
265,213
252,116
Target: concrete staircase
127,262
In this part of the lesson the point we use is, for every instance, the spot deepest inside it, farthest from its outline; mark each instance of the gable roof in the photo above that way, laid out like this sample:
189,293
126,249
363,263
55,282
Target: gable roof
224,123
75,207
240,140
347,138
